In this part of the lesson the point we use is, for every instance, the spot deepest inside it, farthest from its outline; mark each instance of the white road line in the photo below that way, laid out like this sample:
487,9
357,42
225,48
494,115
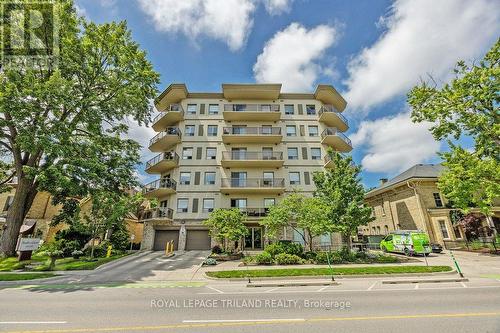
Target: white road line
416,286
463,285
242,320
371,287
31,322
271,290
215,289
321,289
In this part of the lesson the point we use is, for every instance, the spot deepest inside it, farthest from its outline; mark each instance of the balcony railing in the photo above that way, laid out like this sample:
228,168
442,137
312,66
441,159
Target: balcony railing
160,184
158,213
253,183
252,156
169,131
252,107
167,156
331,108
172,107
252,131
334,131
255,212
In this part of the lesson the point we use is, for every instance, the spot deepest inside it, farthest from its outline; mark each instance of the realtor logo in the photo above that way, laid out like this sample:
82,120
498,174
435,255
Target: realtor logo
29,34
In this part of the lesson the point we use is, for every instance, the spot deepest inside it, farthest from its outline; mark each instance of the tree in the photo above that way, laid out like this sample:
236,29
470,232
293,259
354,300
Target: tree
63,126
341,189
467,106
226,225
296,211
471,225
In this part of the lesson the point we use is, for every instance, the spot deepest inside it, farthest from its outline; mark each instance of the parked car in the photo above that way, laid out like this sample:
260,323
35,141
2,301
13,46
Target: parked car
436,248
409,242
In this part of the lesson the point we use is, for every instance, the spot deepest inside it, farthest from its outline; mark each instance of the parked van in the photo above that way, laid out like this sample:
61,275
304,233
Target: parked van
409,242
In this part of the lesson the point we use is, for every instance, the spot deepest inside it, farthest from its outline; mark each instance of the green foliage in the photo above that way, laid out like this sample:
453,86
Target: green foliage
264,258
288,259
467,106
101,250
73,238
120,238
284,247
226,224
210,262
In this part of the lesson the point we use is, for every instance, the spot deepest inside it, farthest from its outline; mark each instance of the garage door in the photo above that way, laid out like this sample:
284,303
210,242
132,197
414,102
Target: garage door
197,240
164,236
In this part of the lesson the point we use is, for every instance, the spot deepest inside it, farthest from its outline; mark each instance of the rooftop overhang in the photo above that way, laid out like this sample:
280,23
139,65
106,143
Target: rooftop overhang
174,93
251,91
328,95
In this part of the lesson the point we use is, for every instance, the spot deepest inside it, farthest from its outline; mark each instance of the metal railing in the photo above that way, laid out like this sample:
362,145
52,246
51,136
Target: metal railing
328,158
331,108
167,156
169,131
251,155
252,130
158,213
253,212
479,245
172,107
160,183
252,107
253,183
335,131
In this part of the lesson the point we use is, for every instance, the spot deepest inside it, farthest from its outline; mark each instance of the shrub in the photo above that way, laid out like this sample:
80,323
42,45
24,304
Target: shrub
77,254
210,262
288,259
386,259
310,255
284,247
120,238
68,246
99,250
248,260
216,249
264,258
476,245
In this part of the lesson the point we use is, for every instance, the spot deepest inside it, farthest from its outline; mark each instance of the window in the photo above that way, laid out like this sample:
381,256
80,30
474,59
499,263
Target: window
293,153
313,131
268,178
315,153
268,202
291,130
444,230
267,129
187,153
456,230
189,130
182,205
325,240
294,178
208,205
209,178
213,109
267,153
289,109
311,109
212,130
191,108
211,153
239,203
386,229
185,178
437,199
265,107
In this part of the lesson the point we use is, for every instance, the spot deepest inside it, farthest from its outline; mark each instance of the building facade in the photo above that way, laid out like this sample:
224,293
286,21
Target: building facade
412,201
244,147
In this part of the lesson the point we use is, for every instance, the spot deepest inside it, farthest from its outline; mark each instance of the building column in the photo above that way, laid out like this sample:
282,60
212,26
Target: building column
182,238
148,236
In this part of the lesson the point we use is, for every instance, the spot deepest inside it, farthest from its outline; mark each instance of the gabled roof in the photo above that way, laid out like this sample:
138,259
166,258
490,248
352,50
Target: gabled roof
420,171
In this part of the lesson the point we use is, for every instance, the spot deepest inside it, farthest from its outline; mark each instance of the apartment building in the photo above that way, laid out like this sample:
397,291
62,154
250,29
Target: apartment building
245,147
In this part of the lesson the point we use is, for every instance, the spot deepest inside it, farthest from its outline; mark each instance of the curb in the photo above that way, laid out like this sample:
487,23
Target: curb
292,284
425,281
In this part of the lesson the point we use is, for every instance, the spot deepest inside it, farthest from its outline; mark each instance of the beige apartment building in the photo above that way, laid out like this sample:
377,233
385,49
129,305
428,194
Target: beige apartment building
412,201
245,147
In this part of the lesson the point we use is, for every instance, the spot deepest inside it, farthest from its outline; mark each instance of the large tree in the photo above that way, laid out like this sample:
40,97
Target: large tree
467,106
63,124
341,189
226,225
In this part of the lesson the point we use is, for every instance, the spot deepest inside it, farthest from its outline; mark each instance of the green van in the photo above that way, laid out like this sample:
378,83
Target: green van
409,242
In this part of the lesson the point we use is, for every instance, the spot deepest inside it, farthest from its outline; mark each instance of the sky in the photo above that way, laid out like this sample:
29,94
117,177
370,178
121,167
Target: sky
372,51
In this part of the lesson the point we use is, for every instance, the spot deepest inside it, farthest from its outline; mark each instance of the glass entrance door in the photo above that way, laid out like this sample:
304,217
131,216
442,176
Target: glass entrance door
253,240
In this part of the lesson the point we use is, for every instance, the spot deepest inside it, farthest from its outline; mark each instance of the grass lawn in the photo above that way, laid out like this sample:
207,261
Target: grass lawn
70,264
326,271
24,276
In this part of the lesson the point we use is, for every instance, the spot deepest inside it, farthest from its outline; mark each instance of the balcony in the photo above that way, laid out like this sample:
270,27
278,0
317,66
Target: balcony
162,162
328,115
337,140
252,185
244,159
253,212
252,112
159,188
165,140
252,135
171,116
160,213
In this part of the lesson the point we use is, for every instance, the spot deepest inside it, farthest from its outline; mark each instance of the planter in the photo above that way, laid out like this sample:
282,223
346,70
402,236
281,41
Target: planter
227,257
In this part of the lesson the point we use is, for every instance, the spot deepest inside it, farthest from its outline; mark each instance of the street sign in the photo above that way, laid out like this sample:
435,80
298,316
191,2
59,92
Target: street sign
28,244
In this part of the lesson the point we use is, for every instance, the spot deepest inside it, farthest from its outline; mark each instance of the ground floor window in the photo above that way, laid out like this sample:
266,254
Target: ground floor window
444,230
298,236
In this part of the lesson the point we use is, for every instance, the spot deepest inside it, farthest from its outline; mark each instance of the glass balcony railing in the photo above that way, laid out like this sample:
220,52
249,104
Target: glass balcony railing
167,156
331,108
253,183
160,184
252,107
252,131
169,131
252,156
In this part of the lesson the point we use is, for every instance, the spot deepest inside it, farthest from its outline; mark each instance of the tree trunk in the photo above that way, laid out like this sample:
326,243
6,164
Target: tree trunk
348,240
23,199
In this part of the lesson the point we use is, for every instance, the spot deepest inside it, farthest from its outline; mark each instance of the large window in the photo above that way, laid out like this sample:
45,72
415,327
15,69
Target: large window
189,130
268,202
437,199
213,109
291,130
211,153
313,131
185,178
212,130
191,109
182,205
444,229
209,178
208,205
293,153
187,153
311,109
294,178
315,153
289,109
239,203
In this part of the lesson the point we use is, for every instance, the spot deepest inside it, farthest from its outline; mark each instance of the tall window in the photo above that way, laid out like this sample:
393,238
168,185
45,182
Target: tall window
315,153
208,205
291,130
182,205
211,153
209,178
437,199
191,109
213,109
313,130
293,153
289,109
185,178
294,178
187,153
212,130
444,230
189,130
311,109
